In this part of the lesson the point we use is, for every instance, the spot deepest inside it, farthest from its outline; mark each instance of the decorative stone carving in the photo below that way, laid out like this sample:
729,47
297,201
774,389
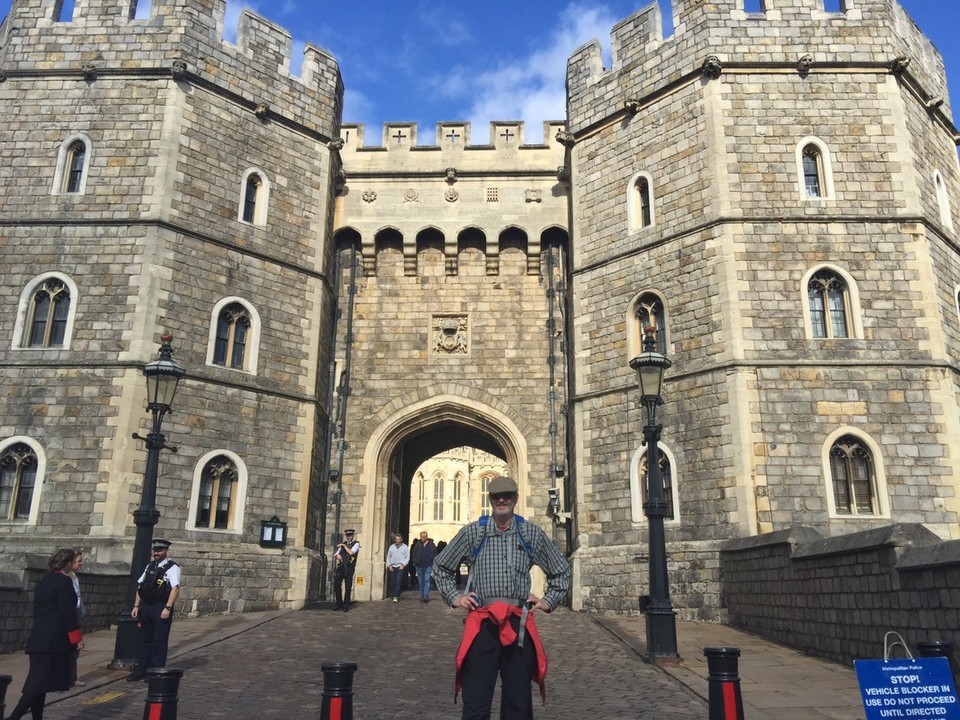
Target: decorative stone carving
411,195
369,196
450,334
563,173
261,111
533,196
89,71
566,138
178,69
900,64
712,67
451,175
336,144
3,75
804,64
632,106
451,195
341,177
935,102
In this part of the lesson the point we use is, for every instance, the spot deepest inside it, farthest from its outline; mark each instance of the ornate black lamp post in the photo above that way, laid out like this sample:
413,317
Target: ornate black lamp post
162,375
661,621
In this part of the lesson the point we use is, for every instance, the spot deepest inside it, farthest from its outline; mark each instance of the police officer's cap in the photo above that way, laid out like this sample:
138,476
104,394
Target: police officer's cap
161,544
349,532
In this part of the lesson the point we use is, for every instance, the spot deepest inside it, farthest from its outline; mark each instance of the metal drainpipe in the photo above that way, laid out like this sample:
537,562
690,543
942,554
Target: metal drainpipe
564,351
325,484
343,394
554,506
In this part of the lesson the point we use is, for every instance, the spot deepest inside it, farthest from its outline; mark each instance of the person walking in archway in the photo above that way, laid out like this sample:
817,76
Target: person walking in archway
398,557
423,555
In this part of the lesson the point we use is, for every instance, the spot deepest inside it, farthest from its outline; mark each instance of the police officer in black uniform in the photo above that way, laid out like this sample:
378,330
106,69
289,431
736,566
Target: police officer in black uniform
157,592
345,562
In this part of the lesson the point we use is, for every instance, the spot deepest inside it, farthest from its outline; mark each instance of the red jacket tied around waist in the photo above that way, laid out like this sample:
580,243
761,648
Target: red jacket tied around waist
499,613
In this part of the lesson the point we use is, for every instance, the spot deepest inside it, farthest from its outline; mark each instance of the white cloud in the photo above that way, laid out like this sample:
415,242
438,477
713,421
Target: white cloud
232,17
532,88
357,107
438,23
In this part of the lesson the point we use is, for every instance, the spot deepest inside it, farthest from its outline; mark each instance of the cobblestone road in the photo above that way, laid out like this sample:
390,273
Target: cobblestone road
405,656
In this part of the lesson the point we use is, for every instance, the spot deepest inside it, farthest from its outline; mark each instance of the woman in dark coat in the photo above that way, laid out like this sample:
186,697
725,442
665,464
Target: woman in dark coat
55,635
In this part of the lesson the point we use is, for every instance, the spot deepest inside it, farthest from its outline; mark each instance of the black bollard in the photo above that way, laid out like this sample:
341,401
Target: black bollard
5,681
337,691
938,648
163,684
726,703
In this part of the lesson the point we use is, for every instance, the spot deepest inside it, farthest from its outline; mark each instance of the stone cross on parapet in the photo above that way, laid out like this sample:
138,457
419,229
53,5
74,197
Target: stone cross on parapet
452,136
507,135
399,137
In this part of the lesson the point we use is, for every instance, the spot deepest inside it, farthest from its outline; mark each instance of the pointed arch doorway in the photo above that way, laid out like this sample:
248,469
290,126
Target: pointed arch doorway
399,446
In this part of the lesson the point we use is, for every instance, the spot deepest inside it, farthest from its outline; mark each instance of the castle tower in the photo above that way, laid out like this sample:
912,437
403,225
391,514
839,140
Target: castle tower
156,178
777,194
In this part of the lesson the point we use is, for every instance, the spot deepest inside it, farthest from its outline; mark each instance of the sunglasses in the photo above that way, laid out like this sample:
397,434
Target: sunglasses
502,496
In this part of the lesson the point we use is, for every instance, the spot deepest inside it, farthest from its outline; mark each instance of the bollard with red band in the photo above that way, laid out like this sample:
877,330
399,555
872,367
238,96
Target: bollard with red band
337,691
726,703
163,685
5,681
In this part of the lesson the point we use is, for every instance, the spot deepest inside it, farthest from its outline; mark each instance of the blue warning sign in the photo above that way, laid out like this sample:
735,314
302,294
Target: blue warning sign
908,688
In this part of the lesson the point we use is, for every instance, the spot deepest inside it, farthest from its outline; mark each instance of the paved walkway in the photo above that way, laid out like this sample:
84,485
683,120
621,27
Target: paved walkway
267,666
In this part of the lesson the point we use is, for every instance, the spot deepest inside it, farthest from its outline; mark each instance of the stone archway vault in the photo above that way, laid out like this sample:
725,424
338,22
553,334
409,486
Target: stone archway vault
437,423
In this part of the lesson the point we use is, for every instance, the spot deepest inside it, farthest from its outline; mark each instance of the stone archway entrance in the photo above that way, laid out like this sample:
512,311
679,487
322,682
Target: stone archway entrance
400,444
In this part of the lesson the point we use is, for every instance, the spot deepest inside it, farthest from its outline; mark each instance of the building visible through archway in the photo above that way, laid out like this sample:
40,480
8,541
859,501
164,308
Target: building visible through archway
449,491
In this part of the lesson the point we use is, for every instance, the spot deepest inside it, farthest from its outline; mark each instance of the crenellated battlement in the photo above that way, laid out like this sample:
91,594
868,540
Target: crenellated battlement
398,149
256,67
870,33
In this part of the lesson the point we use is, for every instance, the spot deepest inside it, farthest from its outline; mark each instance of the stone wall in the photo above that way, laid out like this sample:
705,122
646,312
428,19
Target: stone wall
836,597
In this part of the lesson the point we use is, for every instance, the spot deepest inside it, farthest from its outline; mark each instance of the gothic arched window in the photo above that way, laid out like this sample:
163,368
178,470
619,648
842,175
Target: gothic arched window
217,498
76,157
813,184
640,211
853,476
943,200
829,303
254,197
230,345
438,483
18,480
49,313
73,161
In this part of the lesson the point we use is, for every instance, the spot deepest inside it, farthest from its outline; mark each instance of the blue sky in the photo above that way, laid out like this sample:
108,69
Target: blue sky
435,60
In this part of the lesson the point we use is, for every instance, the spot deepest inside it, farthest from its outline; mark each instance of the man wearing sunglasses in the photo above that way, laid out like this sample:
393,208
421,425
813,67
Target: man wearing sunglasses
500,636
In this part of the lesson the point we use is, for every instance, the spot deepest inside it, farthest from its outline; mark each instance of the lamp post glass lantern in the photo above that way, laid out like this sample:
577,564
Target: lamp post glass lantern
661,621
162,375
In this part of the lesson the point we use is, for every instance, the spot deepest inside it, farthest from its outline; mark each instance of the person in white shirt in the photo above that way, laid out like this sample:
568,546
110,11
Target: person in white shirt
398,557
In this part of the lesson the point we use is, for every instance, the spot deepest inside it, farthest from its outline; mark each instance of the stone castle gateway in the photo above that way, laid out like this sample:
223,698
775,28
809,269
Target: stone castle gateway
775,192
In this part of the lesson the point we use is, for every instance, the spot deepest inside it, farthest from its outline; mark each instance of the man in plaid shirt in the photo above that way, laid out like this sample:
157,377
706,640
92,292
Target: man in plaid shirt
500,636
